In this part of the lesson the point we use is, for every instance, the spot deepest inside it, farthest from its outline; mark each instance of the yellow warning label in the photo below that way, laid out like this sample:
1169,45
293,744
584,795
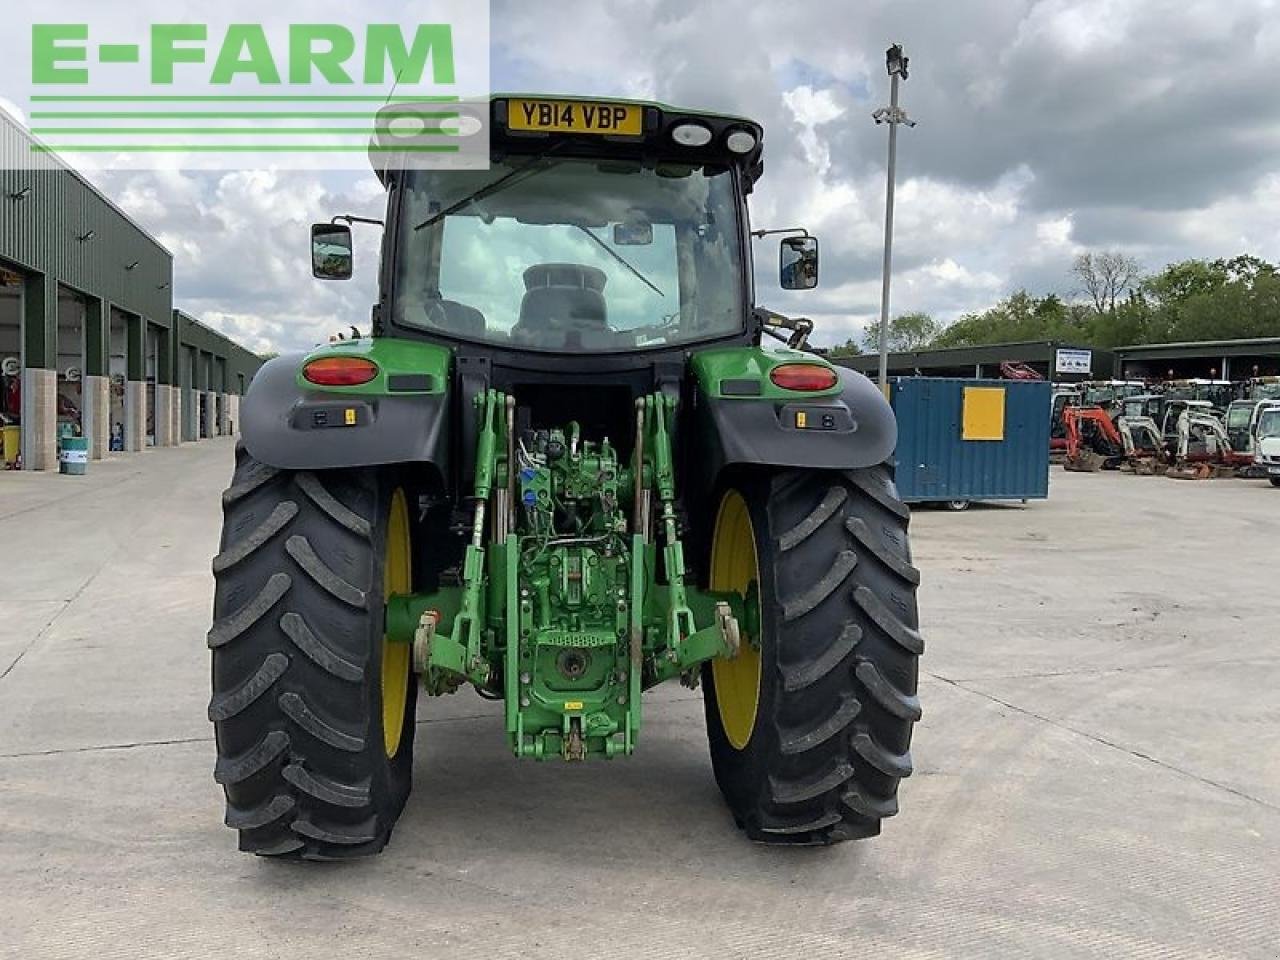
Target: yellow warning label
349,416
983,413
573,704
802,419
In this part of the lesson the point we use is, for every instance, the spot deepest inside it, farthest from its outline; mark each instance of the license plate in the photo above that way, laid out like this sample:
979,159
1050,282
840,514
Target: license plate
1274,471
568,116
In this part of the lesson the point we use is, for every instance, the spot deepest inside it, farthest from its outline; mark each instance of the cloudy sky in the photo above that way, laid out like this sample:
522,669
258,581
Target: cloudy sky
1046,127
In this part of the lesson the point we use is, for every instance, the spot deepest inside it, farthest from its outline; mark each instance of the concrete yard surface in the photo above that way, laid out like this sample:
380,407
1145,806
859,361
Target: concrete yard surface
1097,771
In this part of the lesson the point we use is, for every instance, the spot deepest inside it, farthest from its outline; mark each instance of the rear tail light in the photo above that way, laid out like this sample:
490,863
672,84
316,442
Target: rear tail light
340,371
804,377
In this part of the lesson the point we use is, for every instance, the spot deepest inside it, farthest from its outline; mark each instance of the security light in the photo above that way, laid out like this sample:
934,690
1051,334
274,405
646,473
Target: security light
895,62
130,266
21,194
85,237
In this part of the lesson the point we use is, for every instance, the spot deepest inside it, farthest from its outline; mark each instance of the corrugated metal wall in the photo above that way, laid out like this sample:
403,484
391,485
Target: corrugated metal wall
44,209
934,460
39,233
229,358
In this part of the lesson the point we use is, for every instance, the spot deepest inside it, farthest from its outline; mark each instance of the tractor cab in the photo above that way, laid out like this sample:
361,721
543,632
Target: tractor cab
1217,393
1240,421
1264,388
1110,394
578,237
602,253
1144,405
1064,395
1267,442
1174,408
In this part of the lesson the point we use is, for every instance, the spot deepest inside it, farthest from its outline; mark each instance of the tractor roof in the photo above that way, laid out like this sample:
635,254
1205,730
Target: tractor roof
576,126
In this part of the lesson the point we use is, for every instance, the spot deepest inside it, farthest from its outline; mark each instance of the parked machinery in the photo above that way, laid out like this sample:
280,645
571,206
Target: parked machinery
1217,393
1266,438
1242,426
1110,394
1143,445
1016,370
1064,395
1201,412
564,499
1093,442
1202,449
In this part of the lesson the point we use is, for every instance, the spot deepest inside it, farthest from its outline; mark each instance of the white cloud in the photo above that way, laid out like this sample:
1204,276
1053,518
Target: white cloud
1055,233
1046,127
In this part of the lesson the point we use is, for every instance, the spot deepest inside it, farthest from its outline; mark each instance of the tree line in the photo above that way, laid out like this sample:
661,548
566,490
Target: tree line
1115,303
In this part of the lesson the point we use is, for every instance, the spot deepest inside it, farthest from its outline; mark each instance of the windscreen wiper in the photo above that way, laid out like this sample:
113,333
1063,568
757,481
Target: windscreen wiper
617,256
530,168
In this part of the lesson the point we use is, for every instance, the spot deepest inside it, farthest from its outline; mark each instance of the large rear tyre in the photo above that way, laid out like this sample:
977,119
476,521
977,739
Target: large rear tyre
810,727
312,709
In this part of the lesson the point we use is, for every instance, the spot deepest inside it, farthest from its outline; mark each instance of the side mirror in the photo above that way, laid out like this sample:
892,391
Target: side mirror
632,234
798,263
331,251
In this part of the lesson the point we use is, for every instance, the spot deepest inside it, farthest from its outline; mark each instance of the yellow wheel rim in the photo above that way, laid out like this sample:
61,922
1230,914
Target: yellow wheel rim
734,567
397,577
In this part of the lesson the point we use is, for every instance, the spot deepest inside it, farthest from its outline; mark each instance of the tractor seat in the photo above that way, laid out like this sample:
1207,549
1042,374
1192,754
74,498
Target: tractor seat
451,316
560,297
428,307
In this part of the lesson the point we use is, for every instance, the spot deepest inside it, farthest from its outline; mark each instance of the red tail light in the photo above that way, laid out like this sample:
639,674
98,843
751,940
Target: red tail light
804,377
340,371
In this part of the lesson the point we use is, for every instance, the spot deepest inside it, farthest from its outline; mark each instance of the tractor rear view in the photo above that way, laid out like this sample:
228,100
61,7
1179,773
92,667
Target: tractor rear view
564,469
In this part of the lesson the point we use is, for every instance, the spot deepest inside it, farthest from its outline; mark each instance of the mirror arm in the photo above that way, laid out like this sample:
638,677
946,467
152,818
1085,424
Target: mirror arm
771,322
349,219
799,231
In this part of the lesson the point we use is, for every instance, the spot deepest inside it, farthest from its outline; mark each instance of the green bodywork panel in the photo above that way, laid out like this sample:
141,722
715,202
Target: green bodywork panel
713,367
575,611
393,356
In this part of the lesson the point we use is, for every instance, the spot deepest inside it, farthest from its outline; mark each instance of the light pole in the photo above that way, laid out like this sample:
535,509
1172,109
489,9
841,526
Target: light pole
896,63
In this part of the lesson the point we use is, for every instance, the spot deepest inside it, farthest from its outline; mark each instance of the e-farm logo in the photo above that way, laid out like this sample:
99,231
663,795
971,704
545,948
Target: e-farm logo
247,92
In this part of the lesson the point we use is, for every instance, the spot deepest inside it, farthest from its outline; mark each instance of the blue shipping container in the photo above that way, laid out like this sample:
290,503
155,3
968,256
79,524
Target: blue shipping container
972,439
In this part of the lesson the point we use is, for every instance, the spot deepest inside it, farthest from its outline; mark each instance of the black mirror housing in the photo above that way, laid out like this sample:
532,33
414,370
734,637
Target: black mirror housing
798,263
331,257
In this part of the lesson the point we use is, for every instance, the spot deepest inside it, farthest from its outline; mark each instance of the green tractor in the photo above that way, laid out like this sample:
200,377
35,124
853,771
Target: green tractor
564,469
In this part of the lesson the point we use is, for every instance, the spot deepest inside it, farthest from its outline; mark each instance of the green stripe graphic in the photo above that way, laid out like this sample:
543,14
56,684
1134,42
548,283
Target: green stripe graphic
225,115
215,131
235,98
239,148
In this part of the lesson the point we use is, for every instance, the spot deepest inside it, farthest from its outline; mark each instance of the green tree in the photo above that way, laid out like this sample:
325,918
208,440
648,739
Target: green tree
907,331
1019,316
1212,300
850,348
1188,300
1105,277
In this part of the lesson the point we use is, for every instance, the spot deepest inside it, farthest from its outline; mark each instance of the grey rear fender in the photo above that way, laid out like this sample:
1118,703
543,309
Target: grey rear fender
848,431
292,428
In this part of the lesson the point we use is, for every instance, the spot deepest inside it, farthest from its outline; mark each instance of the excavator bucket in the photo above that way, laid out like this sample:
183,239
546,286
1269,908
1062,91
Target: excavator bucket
1084,461
1190,471
1142,466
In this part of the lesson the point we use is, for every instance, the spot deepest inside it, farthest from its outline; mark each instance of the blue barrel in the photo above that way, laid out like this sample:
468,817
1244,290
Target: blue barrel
73,456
